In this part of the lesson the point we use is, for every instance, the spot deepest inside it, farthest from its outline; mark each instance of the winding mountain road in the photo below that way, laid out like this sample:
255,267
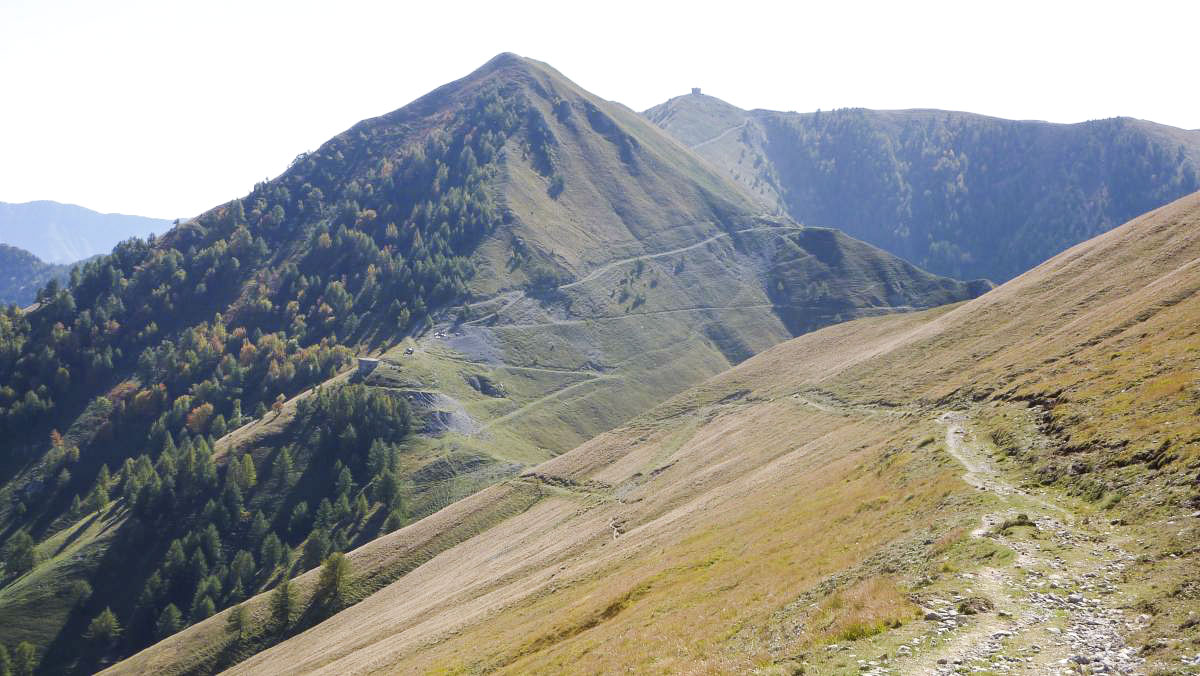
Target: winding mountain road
722,135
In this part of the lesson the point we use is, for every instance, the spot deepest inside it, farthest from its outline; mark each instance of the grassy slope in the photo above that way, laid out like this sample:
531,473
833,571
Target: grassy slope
669,278
39,603
737,525
672,273
667,270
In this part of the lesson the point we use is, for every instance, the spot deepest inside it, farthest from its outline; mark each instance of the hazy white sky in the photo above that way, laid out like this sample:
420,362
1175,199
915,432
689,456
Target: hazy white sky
166,108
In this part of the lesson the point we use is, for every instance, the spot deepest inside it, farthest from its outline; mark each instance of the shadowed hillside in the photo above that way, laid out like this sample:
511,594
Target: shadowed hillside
1005,483
22,275
959,194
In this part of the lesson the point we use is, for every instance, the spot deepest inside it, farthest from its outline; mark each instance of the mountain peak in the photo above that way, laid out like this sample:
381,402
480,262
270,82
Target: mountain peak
695,117
507,234
504,60
509,64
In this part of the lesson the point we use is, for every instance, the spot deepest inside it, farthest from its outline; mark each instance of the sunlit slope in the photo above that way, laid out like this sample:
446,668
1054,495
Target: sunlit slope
627,269
534,266
805,496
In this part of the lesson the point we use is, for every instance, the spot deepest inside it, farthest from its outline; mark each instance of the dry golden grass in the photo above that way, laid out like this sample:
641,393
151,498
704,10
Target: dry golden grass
865,609
713,553
789,501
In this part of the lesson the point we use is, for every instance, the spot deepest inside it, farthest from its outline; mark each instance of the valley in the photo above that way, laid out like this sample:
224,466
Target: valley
837,503
531,265
514,379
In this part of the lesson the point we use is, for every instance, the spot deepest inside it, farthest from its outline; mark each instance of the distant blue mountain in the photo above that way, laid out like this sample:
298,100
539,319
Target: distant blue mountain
65,233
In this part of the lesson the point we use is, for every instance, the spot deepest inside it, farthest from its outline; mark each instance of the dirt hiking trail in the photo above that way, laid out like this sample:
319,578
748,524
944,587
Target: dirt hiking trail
1052,608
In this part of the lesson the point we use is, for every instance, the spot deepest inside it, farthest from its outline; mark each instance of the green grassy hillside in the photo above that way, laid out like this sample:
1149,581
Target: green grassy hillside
1004,484
532,266
959,194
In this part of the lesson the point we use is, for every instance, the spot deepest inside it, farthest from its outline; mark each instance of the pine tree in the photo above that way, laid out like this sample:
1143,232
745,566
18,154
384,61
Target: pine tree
324,519
258,528
79,591
236,624
198,566
152,591
210,540
218,426
19,554
249,474
316,547
175,559
299,523
334,582
104,478
341,508
204,608
394,520
361,507
341,542
237,594
104,628
97,500
381,457
242,568
387,490
169,621
345,481
272,552
283,466
283,603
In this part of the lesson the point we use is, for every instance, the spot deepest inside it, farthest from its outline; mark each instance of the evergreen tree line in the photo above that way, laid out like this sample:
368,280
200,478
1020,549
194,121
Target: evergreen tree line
146,357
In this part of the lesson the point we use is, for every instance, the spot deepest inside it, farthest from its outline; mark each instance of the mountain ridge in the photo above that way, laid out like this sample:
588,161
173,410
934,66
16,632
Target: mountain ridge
61,233
962,194
849,487
24,274
519,266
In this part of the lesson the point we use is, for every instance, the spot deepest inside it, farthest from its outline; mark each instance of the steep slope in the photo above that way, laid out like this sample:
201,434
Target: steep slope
959,194
22,275
533,266
65,233
1007,484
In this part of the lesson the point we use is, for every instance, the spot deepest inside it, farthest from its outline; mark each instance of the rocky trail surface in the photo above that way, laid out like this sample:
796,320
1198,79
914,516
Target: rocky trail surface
1053,608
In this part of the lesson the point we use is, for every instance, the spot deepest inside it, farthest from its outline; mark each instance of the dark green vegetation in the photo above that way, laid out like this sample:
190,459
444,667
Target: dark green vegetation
181,432
150,354
22,275
959,194
65,233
